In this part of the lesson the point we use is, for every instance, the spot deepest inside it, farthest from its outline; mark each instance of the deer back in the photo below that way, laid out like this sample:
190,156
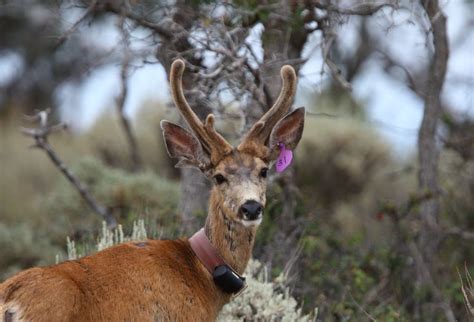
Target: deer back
144,281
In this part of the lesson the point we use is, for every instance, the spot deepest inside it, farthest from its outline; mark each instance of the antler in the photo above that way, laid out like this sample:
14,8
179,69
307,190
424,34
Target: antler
213,143
260,131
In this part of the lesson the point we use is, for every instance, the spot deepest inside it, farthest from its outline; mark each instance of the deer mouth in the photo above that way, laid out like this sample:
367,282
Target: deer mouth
252,222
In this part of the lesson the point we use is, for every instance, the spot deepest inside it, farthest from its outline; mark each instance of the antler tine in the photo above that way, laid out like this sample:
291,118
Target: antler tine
261,130
212,142
219,143
176,77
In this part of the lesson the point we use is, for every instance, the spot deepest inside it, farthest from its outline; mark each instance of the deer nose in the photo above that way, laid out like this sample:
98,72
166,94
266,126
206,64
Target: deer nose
251,210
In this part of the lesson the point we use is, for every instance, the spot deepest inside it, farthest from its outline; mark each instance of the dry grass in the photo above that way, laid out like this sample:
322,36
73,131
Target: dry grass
467,289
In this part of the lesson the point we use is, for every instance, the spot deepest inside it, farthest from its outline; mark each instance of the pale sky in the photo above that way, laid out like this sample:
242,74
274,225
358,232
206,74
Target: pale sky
393,109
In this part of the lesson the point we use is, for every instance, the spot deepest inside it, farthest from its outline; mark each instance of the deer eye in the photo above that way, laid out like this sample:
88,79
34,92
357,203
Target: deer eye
263,172
220,179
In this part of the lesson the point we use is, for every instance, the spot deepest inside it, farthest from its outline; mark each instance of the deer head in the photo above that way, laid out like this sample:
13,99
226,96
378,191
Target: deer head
238,173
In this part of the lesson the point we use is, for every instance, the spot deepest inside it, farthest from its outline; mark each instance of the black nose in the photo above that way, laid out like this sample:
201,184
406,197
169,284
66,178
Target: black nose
251,210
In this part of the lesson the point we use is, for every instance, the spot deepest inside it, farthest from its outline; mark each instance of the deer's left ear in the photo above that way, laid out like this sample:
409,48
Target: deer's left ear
287,131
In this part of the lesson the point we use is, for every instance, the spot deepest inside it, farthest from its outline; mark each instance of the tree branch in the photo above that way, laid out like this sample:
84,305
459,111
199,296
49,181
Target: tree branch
428,155
460,233
40,135
125,122
427,150
427,147
119,10
76,25
363,9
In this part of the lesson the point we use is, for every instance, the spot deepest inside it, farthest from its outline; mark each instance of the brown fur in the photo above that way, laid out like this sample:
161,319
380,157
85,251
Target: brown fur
224,225
164,280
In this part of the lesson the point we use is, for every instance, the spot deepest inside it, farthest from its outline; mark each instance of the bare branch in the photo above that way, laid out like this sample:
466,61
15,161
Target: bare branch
158,28
336,74
415,200
329,35
76,25
40,135
415,82
460,233
125,122
212,74
363,9
428,153
258,77
321,114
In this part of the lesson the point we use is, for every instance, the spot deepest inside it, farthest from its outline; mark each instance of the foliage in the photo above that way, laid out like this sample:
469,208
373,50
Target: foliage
40,206
263,300
338,158
349,258
129,195
353,261
23,247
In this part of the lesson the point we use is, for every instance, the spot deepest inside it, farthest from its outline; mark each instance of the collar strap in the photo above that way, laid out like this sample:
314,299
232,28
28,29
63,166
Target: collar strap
224,276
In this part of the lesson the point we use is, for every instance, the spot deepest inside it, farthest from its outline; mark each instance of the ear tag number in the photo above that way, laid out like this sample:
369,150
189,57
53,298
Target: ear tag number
284,159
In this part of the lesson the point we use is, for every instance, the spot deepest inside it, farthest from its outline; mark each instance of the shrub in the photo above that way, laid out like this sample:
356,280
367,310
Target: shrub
21,247
338,158
264,300
129,196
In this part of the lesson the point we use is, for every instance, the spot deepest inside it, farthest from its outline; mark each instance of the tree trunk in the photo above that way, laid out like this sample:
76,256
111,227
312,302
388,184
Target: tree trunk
282,43
428,152
194,186
428,155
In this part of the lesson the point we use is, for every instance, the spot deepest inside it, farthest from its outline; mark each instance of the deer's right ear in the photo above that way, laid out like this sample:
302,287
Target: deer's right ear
181,144
287,131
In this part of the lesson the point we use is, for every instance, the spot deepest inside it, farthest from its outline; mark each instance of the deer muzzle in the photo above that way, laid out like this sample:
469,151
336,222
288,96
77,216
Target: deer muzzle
251,210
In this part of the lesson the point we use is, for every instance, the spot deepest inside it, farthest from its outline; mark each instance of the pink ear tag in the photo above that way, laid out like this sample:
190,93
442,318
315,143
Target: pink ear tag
284,159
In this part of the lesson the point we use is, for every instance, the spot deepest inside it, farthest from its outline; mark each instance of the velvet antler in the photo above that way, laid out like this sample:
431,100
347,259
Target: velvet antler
212,142
257,137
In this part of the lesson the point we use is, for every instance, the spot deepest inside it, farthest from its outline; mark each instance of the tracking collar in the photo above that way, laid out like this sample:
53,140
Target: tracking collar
226,278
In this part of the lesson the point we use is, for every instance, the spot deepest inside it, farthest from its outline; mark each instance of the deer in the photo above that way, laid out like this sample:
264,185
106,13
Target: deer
187,279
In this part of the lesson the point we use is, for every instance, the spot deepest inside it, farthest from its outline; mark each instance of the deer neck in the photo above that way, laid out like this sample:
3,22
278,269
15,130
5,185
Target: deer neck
232,239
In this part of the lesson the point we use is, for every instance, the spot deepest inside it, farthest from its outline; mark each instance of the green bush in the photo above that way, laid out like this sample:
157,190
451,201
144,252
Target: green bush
22,247
345,173
338,159
351,259
129,196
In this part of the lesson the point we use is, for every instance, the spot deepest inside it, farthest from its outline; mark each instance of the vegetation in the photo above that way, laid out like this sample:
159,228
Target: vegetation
350,261
368,235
